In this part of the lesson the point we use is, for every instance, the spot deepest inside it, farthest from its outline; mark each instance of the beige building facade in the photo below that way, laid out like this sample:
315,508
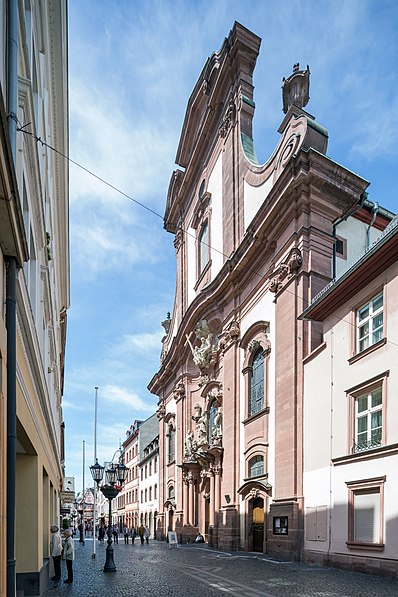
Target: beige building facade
34,267
254,243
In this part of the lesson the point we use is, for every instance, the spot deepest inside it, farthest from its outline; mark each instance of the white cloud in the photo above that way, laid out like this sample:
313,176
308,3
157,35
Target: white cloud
122,397
145,342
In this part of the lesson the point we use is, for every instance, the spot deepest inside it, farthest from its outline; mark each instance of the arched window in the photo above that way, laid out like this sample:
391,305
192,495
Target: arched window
256,401
212,416
171,444
204,249
256,466
171,492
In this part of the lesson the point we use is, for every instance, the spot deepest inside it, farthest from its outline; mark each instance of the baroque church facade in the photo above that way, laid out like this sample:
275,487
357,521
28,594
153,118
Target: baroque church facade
254,244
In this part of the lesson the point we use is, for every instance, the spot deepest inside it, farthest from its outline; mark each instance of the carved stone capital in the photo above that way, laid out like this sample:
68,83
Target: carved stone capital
178,240
228,120
179,391
286,270
160,413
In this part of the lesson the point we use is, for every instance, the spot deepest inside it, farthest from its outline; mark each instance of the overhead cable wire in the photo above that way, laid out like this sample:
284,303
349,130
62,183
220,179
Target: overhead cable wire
22,129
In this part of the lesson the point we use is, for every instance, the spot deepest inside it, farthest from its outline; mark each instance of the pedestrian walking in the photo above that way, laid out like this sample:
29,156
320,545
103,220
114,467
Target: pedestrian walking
146,534
69,553
141,533
115,533
56,551
101,533
133,534
126,534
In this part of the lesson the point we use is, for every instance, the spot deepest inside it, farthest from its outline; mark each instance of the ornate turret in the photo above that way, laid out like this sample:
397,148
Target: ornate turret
295,89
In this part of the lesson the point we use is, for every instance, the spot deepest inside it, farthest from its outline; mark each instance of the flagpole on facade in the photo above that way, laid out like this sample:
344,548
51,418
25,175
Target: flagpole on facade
95,460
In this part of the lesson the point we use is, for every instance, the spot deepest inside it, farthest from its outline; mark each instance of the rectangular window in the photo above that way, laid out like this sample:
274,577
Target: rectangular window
142,474
204,249
155,465
150,493
369,323
365,513
171,445
155,492
368,420
142,496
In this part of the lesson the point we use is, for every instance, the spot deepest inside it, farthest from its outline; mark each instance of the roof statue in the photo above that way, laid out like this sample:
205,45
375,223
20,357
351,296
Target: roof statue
295,89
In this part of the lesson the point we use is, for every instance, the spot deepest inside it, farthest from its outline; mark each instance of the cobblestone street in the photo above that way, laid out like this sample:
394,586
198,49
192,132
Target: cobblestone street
196,571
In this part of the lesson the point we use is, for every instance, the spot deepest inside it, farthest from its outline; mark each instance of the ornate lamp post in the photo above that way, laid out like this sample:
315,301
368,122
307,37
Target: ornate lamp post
115,477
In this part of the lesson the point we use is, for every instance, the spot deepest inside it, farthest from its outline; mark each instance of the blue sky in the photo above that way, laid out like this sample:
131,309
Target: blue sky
132,67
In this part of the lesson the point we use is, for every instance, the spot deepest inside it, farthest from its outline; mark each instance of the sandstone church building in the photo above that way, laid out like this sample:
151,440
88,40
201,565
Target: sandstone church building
255,243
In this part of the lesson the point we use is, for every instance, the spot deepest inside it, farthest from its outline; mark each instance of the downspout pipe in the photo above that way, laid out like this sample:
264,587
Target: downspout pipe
11,276
11,420
364,197
12,71
375,209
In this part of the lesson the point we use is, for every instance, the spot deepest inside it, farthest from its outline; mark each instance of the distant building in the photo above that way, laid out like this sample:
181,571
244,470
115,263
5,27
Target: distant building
129,493
149,476
34,276
351,416
254,244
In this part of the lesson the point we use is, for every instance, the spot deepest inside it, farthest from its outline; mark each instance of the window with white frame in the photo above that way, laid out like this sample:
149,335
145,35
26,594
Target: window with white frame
256,466
368,419
369,323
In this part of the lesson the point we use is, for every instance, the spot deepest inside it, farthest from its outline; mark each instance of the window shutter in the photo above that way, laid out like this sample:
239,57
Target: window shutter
367,517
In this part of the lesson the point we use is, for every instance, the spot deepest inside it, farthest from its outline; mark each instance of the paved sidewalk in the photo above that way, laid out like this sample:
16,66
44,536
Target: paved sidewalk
196,571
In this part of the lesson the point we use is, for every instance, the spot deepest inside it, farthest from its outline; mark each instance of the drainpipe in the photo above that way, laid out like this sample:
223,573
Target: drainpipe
12,83
12,105
364,196
375,209
11,420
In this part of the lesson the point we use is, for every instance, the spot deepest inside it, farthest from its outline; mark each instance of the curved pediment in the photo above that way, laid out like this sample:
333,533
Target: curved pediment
213,87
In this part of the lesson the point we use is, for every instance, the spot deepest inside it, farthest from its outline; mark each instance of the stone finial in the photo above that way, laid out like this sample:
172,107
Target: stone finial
295,89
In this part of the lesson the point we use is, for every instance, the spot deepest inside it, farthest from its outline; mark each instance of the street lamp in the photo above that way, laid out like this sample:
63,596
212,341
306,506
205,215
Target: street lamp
115,477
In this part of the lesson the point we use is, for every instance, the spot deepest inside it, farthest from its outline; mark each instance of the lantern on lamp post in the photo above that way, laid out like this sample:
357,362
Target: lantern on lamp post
115,476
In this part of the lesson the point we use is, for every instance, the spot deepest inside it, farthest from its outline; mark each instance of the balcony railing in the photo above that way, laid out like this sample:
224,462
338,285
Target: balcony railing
375,442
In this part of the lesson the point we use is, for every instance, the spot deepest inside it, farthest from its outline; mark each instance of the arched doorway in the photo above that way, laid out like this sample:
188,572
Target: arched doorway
257,524
171,520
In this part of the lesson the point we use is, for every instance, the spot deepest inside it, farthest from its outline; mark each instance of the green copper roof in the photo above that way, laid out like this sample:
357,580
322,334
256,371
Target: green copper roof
248,101
248,148
318,127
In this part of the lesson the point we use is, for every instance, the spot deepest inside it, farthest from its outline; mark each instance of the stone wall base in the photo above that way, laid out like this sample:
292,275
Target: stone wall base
285,546
357,563
32,584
